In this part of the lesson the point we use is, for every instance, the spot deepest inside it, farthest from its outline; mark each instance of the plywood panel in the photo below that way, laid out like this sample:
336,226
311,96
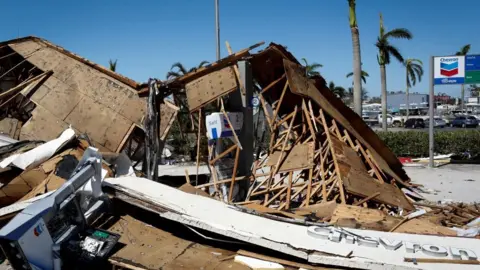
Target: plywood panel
26,47
167,114
17,188
300,157
42,126
209,87
92,118
61,100
134,108
357,180
117,130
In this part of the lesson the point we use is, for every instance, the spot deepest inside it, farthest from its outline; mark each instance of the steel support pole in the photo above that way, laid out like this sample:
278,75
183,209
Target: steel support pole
217,28
431,111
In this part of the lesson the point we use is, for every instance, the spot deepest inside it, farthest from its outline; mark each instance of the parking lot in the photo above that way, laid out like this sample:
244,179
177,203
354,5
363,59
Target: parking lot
397,129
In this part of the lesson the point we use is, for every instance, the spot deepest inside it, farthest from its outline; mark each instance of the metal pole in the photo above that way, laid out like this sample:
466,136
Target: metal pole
217,29
431,110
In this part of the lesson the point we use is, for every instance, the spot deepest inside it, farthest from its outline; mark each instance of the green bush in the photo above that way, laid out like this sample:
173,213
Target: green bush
415,143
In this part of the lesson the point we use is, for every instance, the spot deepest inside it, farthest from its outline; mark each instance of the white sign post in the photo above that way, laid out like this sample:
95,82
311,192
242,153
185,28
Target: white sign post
443,70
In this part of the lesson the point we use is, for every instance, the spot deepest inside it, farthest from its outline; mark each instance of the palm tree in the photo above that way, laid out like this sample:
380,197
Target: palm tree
357,60
463,51
311,69
339,91
414,72
364,77
385,52
112,65
350,93
181,70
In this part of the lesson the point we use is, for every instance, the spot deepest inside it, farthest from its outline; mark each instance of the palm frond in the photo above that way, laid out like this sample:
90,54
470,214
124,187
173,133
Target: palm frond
203,63
313,73
349,75
314,66
402,33
112,65
180,67
173,74
365,74
464,50
411,77
392,50
305,61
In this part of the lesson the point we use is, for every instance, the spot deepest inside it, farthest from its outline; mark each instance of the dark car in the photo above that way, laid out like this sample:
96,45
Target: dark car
465,121
414,123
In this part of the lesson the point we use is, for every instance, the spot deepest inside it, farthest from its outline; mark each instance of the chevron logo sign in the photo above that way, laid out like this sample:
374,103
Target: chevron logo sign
449,67
449,70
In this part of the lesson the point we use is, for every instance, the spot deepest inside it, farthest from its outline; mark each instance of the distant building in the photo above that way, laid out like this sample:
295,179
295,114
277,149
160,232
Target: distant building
398,100
442,99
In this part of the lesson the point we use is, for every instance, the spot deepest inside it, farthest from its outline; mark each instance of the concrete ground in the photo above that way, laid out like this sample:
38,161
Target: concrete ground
452,182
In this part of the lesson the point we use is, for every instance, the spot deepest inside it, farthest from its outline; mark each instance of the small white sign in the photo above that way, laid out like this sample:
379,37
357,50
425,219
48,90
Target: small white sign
218,126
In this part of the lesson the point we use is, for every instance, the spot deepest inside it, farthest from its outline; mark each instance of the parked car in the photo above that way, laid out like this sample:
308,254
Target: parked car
437,122
465,121
414,123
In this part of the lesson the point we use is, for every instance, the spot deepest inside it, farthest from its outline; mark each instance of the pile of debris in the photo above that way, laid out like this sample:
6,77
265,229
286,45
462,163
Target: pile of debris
287,159
322,162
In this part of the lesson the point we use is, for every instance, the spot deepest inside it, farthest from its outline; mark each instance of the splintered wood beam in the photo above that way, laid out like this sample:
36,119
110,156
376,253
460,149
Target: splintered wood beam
280,158
367,199
367,158
187,176
265,111
294,196
272,84
334,157
226,152
349,140
337,130
235,69
198,141
309,122
267,202
235,166
309,188
374,162
275,113
289,189
284,119
222,181
275,188
322,175
312,115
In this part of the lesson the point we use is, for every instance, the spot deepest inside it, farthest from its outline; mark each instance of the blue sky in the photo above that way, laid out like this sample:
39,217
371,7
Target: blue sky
148,36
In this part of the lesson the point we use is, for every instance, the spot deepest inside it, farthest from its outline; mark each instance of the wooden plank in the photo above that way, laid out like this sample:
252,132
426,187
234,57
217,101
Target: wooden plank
210,87
272,84
235,69
367,198
334,157
321,210
289,190
300,157
262,209
275,113
234,174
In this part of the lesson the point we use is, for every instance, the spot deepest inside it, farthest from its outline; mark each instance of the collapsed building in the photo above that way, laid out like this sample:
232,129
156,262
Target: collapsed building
324,191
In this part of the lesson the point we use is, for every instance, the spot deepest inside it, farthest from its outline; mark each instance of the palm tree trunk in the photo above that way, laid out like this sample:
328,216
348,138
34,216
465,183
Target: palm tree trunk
408,103
383,77
462,106
357,71
407,97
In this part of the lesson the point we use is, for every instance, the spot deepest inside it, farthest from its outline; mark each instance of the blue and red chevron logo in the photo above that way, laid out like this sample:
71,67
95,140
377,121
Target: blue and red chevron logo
449,69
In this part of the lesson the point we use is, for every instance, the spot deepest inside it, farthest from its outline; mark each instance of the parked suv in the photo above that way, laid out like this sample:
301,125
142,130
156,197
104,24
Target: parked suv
465,121
414,123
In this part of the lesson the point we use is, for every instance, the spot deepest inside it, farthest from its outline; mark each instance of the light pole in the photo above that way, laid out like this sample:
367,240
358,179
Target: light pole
217,29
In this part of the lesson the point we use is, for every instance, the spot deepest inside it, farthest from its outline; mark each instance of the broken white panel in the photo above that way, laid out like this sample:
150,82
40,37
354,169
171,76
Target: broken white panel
256,264
218,126
359,249
38,154
19,206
